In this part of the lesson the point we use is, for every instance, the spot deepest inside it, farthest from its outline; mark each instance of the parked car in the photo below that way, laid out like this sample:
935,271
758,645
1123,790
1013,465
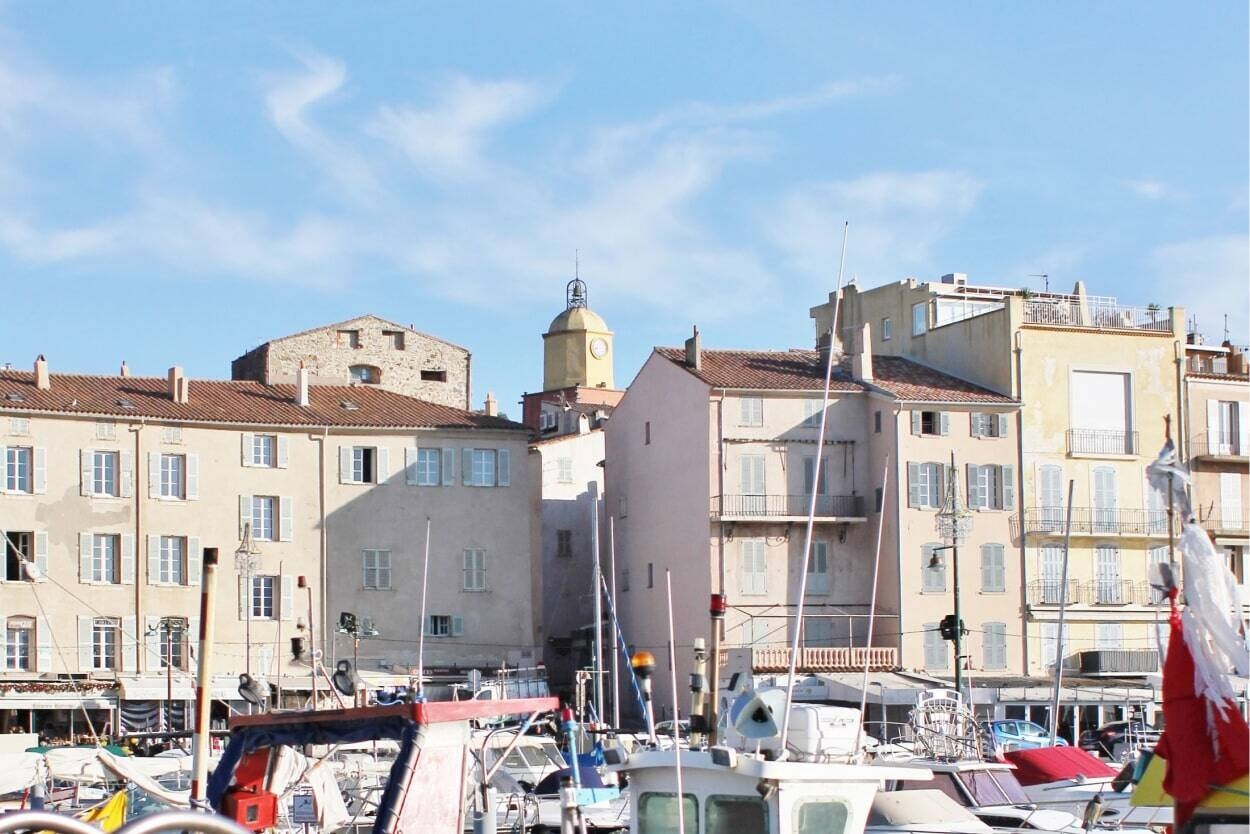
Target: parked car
1013,734
1112,739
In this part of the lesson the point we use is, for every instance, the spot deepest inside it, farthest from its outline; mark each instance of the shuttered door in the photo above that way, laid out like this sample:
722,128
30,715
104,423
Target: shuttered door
1108,587
1050,496
1104,500
1052,574
753,499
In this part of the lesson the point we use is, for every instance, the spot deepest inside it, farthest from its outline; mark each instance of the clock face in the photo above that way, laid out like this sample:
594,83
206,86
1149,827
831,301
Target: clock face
598,348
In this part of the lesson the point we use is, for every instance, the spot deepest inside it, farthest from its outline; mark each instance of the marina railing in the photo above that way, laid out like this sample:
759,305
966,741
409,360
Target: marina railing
1102,442
775,506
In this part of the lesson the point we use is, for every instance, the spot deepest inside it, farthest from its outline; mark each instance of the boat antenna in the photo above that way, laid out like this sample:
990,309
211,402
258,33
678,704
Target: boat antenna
1063,609
616,656
425,584
596,578
672,673
811,506
872,611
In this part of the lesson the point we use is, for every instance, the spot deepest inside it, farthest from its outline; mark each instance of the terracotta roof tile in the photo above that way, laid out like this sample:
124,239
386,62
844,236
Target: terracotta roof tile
235,401
912,381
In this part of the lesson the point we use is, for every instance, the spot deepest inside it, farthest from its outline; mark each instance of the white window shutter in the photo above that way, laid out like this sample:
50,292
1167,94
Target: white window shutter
1002,424
345,464
43,645
245,512
126,475
286,609
128,558
1007,482
410,465
3,470
809,474
85,656
383,464
1243,431
193,638
944,422
39,478
457,626
195,560
466,466
915,422
130,644
85,459
245,449
41,555
193,476
152,640
974,487
244,597
154,474
503,468
974,421
286,518
1213,423
84,556
913,484
154,559
284,451
449,467
425,627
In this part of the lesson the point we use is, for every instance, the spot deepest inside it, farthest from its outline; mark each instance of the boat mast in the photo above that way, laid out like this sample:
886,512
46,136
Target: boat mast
1063,607
596,581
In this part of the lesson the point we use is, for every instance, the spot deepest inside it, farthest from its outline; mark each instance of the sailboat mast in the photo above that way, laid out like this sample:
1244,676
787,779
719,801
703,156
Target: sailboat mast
596,581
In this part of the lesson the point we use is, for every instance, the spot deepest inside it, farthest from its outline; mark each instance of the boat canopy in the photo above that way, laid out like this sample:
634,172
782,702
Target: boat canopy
1057,764
929,808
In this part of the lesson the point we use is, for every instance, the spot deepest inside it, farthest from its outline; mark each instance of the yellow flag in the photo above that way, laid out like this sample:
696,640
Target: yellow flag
109,815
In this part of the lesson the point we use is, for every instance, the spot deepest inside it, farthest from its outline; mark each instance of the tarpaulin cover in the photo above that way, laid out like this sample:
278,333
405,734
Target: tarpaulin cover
1056,764
551,782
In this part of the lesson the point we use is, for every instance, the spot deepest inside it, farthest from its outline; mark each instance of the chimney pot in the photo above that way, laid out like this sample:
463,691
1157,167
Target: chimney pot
492,406
179,389
42,381
861,362
301,387
125,371
694,351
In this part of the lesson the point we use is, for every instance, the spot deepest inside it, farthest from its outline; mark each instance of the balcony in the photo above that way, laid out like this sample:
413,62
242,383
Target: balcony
1119,662
1096,314
1051,592
1099,442
1116,592
787,507
812,660
1218,446
1093,521
1226,521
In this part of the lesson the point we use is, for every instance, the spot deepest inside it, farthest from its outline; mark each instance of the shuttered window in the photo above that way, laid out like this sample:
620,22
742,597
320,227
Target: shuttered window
932,579
925,485
991,487
993,568
751,411
754,567
936,652
994,645
376,567
818,569
474,569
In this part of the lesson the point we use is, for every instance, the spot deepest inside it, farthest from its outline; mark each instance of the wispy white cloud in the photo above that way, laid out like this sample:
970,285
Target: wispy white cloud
1219,265
1149,189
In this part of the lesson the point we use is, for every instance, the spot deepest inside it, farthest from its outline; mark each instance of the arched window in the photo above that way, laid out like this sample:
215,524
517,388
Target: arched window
366,374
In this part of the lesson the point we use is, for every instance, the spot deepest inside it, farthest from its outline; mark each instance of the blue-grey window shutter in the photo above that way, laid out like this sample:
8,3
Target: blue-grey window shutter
1008,481
466,467
1002,424
944,422
915,422
449,467
86,659
503,467
41,555
154,474
39,478
410,465
43,645
128,558
913,484
154,559
974,487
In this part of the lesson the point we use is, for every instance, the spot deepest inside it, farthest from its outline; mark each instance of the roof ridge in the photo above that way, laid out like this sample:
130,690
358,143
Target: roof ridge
382,319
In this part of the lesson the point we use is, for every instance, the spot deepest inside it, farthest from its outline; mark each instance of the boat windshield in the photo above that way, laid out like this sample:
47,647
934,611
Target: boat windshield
993,787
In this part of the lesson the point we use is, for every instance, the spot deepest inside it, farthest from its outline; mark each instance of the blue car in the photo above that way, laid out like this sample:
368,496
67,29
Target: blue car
1013,734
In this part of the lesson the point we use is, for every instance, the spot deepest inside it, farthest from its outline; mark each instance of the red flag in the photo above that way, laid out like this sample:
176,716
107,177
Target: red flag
1199,754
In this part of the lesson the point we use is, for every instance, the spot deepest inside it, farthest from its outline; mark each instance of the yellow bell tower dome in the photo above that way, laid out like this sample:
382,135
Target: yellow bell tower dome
577,347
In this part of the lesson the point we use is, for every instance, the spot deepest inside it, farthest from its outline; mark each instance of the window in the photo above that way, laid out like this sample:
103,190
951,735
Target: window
365,374
811,413
993,569
809,473
925,485
173,560
564,544
1154,556
820,816
564,470
17,645
547,420
104,643
430,375
991,487
104,473
650,574
994,645
429,467
1052,574
932,579
988,425
105,431
935,423
754,566
263,597
751,411
1050,642
1105,495
486,467
350,338
1108,589
264,508
104,566
172,636
474,569
919,318
646,432
887,330
876,422
818,569
364,470
263,450
19,426
171,434
818,631
18,474
394,339
18,551
936,655
658,812
1050,496
376,565
173,476
1101,407
624,580
1108,636
443,625
736,815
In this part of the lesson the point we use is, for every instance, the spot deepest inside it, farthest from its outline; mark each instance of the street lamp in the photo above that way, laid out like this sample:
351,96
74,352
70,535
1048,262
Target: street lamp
246,561
167,626
953,523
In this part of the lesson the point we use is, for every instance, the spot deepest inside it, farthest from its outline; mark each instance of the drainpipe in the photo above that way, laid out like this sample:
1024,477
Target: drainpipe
1182,419
1022,501
322,542
898,532
136,467
718,622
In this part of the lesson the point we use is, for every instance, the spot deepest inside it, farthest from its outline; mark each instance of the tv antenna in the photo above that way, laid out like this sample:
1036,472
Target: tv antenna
1045,279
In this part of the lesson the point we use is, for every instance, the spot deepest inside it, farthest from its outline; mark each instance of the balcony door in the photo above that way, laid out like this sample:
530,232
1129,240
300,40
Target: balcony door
1104,500
1050,496
1102,412
1222,427
754,501
1232,513
1052,574
1108,587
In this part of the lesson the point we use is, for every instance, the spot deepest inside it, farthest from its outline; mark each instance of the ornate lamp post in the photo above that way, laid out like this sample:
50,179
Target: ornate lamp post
246,561
953,523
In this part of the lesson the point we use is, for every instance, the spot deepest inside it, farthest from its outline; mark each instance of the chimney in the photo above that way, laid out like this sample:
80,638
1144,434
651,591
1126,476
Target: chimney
125,371
179,389
694,351
492,407
861,362
42,381
301,386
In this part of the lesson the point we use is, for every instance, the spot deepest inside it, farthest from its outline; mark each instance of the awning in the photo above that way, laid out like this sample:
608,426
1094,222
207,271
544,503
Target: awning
57,700
156,687
888,688
1103,691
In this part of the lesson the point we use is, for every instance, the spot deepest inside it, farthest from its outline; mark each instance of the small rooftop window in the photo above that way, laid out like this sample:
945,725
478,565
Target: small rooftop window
349,405
14,397
125,403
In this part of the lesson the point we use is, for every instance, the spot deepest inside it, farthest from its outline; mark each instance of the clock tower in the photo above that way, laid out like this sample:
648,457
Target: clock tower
577,347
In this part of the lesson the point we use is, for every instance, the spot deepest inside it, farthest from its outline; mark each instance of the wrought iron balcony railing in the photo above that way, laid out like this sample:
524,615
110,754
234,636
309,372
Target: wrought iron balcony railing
782,506
1216,444
1225,519
1098,521
1101,442
1116,592
1096,314
1052,592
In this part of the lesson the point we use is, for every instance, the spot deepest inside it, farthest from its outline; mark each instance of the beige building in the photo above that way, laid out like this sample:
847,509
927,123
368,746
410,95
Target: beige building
1096,380
114,485
366,350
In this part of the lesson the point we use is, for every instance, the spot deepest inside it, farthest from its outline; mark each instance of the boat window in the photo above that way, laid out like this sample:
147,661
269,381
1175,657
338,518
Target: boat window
657,813
986,790
1010,786
736,815
820,816
944,782
534,756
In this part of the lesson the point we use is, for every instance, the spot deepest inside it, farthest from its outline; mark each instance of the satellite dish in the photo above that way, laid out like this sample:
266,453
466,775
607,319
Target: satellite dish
253,691
345,678
754,713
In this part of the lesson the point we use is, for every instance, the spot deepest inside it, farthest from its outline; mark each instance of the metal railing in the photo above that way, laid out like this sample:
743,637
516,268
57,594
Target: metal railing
1096,521
766,506
825,659
1215,444
1097,314
1114,592
1051,592
1207,364
1119,661
1102,442
1224,520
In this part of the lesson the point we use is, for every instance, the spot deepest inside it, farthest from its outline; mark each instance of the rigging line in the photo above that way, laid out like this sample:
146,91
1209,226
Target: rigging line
872,613
620,639
52,634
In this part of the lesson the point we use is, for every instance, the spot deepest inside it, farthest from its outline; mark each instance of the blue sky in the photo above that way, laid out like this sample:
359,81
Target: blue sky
177,186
